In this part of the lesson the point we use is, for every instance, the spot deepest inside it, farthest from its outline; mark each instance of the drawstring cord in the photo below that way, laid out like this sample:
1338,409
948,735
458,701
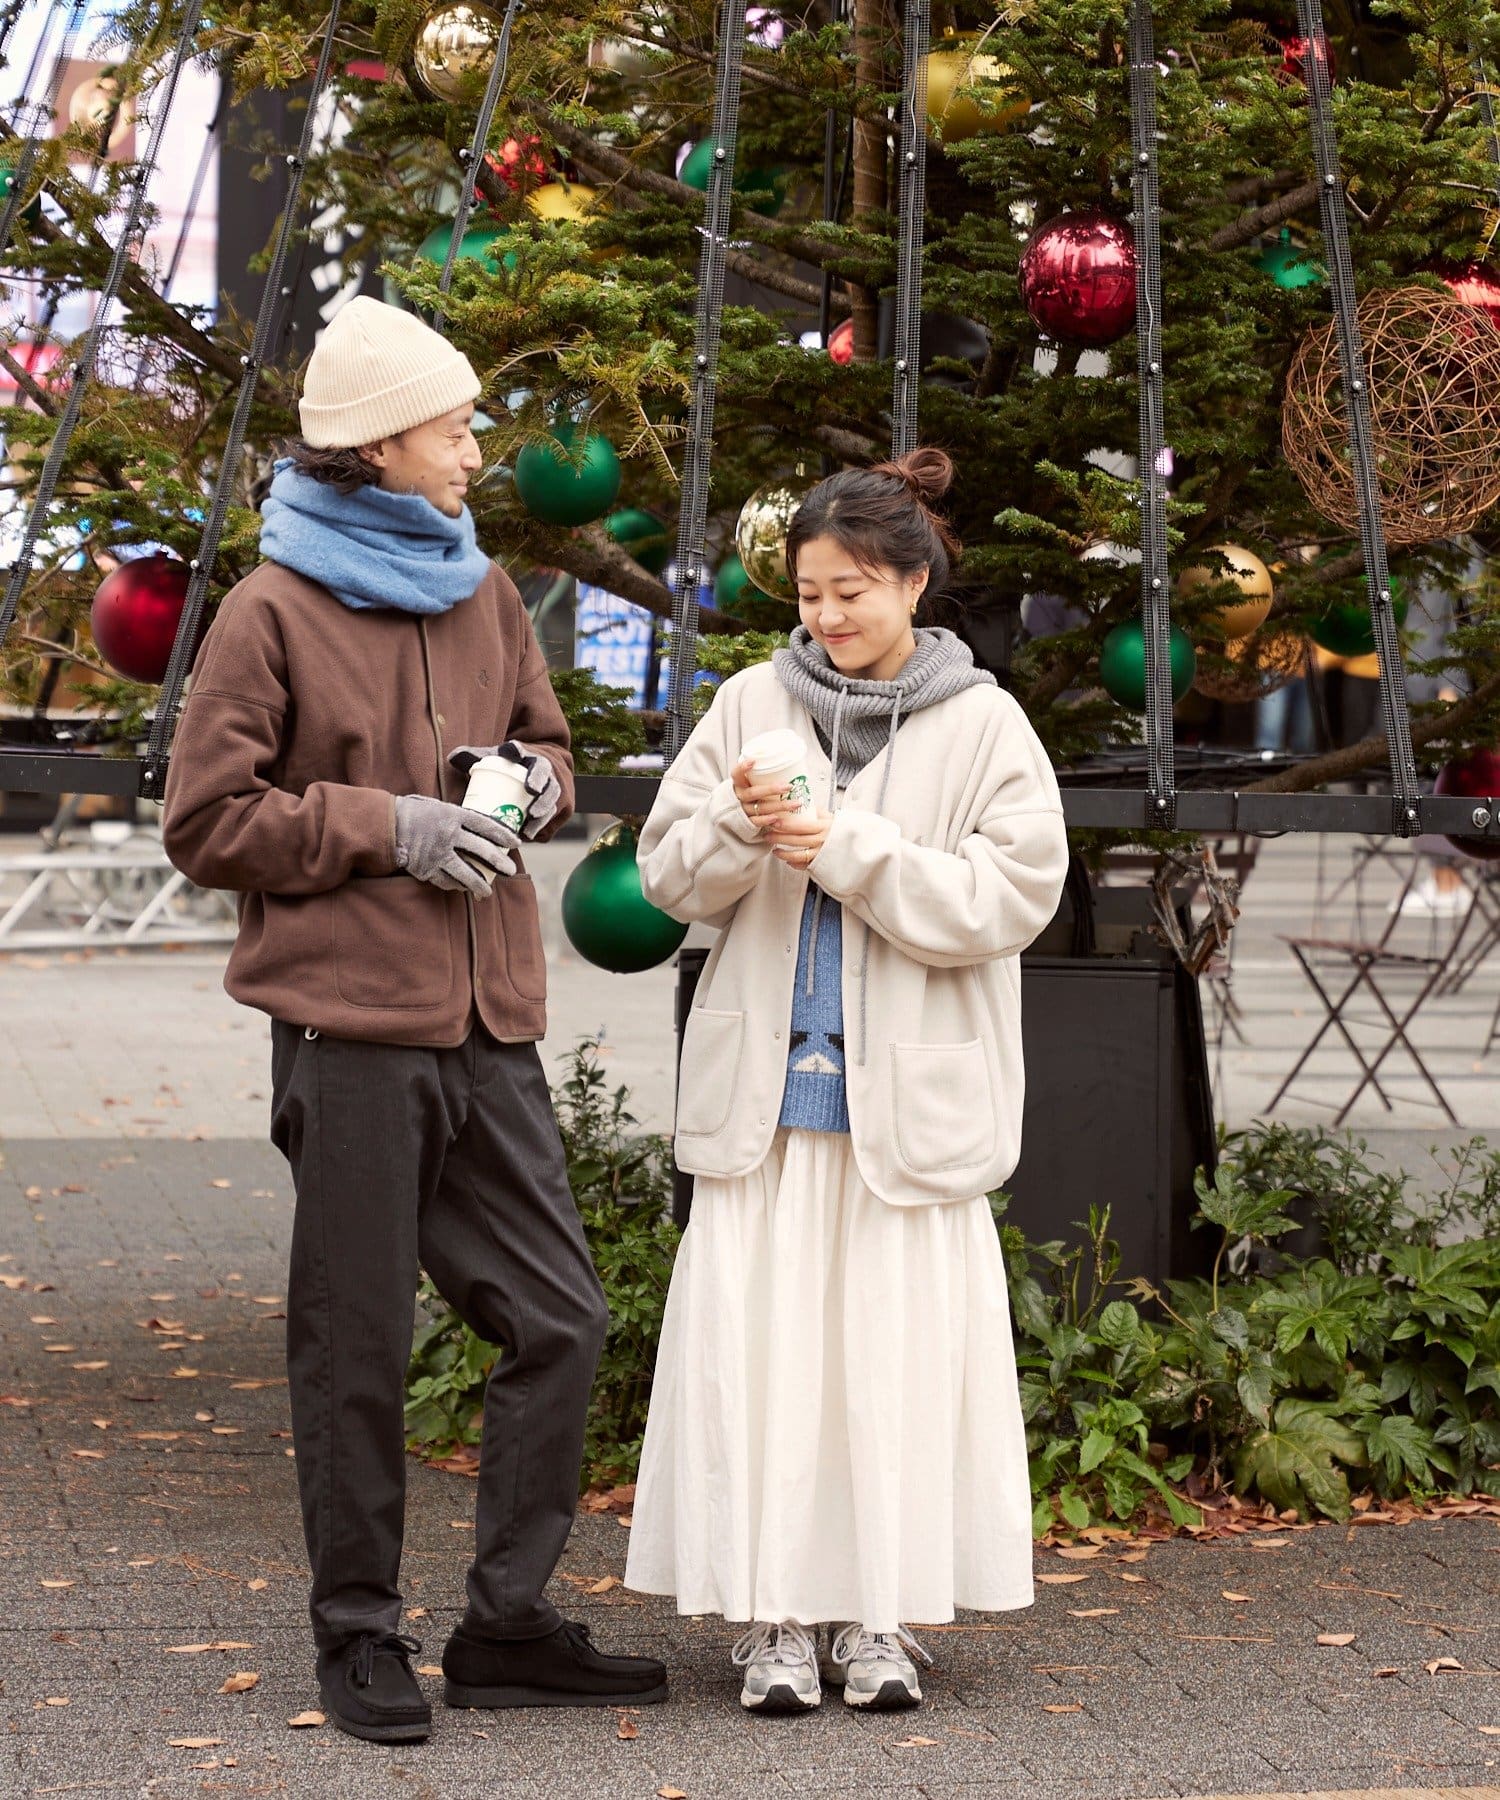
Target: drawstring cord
864,955
833,782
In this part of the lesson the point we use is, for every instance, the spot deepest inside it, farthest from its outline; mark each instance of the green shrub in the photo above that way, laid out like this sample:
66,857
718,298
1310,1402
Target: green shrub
1374,1361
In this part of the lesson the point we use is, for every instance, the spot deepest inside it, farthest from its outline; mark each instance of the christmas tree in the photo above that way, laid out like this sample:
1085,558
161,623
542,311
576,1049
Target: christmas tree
573,292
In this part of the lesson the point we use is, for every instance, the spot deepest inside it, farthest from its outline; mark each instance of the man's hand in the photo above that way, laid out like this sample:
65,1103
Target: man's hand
541,779
451,847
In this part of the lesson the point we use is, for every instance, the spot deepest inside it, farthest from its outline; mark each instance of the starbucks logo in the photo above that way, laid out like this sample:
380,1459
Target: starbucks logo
511,815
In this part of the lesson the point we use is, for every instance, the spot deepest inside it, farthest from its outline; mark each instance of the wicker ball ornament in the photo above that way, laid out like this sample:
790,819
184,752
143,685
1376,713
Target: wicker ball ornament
1433,370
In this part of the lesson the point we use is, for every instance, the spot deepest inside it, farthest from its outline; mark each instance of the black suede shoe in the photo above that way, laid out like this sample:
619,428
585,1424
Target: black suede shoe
370,1691
561,1669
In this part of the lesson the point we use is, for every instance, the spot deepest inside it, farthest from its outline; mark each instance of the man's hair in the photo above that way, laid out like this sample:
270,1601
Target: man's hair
341,468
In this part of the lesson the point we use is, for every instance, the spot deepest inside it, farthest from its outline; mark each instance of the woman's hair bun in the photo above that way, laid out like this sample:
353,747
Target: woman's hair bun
927,472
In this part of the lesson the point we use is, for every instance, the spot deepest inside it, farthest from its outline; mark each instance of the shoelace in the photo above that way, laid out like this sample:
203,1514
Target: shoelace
786,1642
855,1644
370,1646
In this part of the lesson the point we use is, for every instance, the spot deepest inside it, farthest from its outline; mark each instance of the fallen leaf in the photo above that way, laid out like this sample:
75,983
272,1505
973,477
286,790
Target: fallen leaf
225,1430
183,1374
58,1349
625,1519
915,1743
1335,1640
58,1700
212,1763
241,1682
1133,1556
59,1584
429,1668
198,1649
1078,1575
102,1424
195,1743
1439,1663
670,1793
88,1455
1078,1552
1269,1543
604,1585
1229,1594
306,1718
42,1319
1129,1577
627,1728
416,1612
91,1365
219,1182
167,1327
462,1524
141,1562
258,1584
266,1300
1092,1612
1490,1730
204,1418
1077,1706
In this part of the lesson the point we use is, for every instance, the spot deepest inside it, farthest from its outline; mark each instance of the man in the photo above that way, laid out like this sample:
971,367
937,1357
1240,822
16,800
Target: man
392,935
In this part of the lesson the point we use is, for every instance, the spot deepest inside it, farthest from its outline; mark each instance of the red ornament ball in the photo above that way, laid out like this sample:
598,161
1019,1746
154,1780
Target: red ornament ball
136,612
1475,284
1078,277
520,164
1294,53
841,342
1473,777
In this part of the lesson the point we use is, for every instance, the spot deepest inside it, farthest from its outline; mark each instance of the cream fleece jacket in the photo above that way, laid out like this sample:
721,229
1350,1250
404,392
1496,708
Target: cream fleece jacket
950,882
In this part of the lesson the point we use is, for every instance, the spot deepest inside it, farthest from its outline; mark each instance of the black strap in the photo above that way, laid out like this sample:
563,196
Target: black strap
1156,594
911,212
1406,803
154,769
691,587
474,155
139,177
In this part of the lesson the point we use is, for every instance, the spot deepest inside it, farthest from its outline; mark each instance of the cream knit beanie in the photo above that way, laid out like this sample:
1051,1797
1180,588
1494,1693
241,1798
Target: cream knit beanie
377,371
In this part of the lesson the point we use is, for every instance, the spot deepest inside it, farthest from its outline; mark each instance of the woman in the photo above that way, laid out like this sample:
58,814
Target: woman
835,1433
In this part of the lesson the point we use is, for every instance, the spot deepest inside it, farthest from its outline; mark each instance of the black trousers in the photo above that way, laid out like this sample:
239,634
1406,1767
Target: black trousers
451,1158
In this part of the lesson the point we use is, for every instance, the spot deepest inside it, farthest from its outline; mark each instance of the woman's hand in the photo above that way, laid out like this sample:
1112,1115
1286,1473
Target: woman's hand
796,838
763,802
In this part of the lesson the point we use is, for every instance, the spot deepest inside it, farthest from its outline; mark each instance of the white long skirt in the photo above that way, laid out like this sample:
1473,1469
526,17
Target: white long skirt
835,1428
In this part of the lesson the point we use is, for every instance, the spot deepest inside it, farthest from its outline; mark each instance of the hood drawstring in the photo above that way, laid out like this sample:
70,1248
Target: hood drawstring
864,956
833,800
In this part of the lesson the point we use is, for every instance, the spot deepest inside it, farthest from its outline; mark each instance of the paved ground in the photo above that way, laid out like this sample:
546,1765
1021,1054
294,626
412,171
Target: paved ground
147,1497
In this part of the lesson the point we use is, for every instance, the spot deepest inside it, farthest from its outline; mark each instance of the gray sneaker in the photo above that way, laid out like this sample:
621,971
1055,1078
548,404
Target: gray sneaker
877,1667
781,1669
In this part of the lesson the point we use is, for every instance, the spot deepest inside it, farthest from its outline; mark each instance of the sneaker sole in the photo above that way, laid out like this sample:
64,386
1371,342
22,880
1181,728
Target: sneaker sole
493,1699
779,1699
894,1696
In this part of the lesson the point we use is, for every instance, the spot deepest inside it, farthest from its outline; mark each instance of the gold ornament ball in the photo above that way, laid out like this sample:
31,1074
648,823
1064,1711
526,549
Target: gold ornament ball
94,102
564,200
760,537
1248,573
455,49
952,116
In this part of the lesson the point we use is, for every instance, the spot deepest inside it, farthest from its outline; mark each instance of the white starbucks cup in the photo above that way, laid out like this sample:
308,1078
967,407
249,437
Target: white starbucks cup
781,754
497,788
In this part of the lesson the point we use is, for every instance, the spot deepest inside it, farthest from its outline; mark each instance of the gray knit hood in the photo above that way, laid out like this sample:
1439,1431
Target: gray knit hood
860,718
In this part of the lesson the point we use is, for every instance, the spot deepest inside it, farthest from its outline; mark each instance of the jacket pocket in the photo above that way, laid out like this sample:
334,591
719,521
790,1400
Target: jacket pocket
520,928
392,942
941,1103
712,1046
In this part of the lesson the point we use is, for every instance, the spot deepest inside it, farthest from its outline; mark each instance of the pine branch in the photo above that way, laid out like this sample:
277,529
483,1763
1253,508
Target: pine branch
27,384
595,558
1338,765
1262,218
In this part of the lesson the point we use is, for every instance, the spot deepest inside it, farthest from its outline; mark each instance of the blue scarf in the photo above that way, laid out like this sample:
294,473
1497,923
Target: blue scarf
370,548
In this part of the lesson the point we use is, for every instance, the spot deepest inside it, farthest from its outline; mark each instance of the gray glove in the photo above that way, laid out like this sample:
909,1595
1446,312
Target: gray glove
450,846
541,778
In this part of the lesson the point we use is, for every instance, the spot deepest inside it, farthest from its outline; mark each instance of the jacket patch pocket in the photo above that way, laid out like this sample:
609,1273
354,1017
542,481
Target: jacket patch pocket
515,904
712,1046
942,1105
392,942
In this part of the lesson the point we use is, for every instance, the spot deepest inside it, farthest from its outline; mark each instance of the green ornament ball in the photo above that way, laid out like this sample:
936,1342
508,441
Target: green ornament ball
559,491
1289,266
1347,630
764,189
31,213
476,245
608,920
642,535
732,586
1122,664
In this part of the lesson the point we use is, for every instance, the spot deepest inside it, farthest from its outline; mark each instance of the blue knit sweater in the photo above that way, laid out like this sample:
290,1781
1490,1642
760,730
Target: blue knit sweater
815,1098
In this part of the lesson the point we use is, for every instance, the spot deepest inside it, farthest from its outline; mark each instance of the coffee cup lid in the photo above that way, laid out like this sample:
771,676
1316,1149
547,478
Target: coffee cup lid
775,749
